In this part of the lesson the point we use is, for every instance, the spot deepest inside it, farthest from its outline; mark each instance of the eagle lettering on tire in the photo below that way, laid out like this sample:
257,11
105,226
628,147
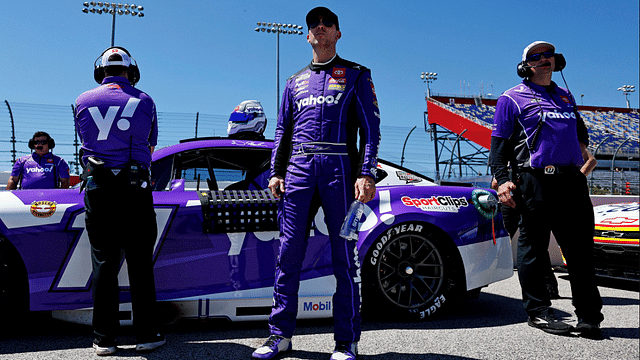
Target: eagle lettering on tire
409,271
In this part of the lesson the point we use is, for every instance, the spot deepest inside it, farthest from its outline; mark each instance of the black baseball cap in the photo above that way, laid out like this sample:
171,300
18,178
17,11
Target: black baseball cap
326,14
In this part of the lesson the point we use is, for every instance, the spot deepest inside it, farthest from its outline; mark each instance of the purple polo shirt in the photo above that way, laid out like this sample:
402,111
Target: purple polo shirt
521,108
40,172
117,123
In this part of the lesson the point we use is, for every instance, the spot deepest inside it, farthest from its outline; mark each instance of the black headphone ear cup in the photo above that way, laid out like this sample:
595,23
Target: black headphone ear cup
561,62
31,145
523,70
52,144
98,74
134,74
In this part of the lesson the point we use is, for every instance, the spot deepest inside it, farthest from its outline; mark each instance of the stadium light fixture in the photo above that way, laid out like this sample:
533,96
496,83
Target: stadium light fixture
278,28
113,9
626,90
428,77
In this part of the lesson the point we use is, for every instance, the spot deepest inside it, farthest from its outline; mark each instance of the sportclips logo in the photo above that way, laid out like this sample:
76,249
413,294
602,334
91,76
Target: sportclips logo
322,306
437,203
558,115
318,100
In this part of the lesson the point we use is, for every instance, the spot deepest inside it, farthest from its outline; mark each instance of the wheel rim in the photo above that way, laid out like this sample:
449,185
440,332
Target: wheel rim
410,271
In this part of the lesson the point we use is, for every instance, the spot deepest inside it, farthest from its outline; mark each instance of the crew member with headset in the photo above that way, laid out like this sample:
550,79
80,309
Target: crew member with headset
117,124
538,129
40,169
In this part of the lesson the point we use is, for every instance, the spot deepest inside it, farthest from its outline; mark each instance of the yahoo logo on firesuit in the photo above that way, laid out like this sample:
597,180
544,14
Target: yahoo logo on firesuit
313,100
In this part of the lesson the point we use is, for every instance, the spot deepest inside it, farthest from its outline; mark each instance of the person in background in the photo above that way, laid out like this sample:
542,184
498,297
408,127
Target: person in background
40,169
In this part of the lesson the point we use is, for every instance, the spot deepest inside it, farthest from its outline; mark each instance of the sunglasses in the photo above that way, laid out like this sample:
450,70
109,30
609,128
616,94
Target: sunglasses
325,22
40,142
536,57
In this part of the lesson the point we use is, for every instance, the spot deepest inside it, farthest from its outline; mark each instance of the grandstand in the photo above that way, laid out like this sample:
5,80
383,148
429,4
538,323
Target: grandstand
613,134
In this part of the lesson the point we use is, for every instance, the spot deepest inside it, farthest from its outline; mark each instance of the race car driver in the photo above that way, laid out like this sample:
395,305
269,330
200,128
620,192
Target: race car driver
316,161
539,130
117,124
40,169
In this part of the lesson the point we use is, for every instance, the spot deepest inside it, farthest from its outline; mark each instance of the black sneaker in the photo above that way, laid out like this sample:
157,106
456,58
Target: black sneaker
548,323
151,344
104,347
588,330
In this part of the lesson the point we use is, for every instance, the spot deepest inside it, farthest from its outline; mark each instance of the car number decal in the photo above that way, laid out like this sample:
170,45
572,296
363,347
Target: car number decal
75,273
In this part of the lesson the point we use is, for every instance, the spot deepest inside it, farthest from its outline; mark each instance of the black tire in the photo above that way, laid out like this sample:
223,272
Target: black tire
14,286
410,272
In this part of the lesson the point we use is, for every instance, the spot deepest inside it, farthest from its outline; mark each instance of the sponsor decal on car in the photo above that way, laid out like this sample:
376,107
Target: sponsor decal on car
436,203
316,306
409,178
43,209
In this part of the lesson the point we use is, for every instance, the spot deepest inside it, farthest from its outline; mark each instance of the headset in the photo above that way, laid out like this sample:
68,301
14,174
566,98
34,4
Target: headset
524,70
133,72
50,141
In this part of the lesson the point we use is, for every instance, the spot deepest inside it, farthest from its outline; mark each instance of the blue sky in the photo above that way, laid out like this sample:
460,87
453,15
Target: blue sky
206,56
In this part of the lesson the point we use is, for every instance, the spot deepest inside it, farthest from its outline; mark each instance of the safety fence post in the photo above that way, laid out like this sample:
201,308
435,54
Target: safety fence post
13,135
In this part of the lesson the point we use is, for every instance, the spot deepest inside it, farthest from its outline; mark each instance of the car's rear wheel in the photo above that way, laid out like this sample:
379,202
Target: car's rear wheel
410,271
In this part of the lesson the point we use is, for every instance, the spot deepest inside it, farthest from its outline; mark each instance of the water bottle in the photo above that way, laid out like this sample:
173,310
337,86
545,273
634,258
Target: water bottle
349,228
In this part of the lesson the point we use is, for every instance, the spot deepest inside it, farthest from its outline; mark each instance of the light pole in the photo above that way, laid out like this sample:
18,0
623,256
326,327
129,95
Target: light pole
278,28
626,90
113,9
428,77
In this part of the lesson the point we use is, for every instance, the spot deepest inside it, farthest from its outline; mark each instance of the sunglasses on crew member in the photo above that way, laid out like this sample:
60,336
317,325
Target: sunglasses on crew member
536,57
40,142
325,22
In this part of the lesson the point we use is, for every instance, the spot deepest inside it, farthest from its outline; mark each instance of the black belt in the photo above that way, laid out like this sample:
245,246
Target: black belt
319,148
553,170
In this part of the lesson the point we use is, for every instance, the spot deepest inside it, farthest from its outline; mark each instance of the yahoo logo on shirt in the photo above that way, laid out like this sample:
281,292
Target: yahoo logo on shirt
39,170
104,123
557,115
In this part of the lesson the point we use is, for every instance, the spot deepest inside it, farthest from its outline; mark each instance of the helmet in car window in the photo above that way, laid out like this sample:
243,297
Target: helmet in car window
247,120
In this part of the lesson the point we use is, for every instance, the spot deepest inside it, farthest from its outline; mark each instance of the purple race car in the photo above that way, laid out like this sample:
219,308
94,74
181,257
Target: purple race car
217,241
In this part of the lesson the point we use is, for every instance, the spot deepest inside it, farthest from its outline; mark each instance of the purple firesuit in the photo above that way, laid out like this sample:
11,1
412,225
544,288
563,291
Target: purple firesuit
324,107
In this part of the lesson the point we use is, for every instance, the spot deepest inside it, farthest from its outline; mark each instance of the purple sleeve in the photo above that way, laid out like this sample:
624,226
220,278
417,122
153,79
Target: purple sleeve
17,168
63,169
282,138
153,137
369,117
504,120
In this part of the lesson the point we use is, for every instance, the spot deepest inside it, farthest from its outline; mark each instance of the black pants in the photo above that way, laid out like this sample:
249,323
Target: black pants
511,220
558,203
121,220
